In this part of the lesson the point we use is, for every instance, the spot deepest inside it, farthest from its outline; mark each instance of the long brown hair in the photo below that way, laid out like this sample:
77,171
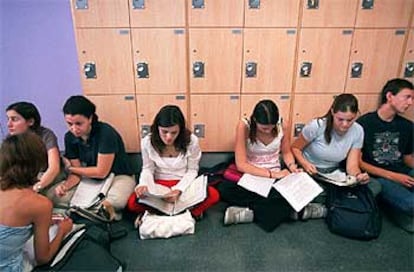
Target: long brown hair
342,103
266,113
21,158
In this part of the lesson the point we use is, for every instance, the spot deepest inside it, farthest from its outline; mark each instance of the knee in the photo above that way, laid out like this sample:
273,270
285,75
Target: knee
213,194
131,204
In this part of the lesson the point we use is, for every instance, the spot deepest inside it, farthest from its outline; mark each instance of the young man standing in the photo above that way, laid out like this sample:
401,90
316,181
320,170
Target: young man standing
387,153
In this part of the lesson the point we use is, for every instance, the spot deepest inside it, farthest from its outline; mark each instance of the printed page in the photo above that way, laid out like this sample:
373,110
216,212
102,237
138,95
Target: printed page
255,184
89,190
157,190
336,177
299,189
194,194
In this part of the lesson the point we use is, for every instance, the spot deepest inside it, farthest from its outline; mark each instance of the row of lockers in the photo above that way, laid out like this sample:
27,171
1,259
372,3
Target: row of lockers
213,118
254,60
242,13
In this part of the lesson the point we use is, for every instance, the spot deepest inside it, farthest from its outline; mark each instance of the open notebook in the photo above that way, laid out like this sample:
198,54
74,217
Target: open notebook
194,194
90,191
337,177
299,189
70,239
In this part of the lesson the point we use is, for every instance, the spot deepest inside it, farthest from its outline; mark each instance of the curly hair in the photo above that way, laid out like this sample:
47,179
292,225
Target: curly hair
22,157
168,116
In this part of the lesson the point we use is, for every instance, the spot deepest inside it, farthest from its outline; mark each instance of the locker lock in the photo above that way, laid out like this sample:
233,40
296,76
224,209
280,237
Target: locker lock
356,69
313,4
142,70
199,130
409,69
198,4
145,130
251,69
367,4
138,4
298,129
90,70
254,4
198,69
81,4
305,69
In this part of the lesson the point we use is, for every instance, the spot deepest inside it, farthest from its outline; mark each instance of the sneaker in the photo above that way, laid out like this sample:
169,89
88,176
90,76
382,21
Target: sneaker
237,215
313,211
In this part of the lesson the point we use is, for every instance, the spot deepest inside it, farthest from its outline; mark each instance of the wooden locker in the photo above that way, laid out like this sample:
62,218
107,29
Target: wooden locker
157,13
109,51
379,52
149,105
269,56
271,13
220,52
384,13
368,102
307,107
407,69
100,13
322,60
120,112
329,13
214,119
214,13
163,51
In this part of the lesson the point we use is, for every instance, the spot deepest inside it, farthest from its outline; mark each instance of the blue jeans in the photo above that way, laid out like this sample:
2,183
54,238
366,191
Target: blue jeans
397,196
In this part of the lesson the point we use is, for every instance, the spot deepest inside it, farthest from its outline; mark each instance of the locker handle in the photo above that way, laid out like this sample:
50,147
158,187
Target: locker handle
254,4
306,69
145,130
251,69
298,129
89,69
313,4
142,70
367,4
199,130
356,69
198,69
409,69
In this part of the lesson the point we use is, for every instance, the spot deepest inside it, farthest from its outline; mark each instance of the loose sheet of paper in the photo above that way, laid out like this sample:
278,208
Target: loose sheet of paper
258,185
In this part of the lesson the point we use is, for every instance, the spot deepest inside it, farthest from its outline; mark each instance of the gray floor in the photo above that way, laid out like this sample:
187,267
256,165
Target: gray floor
296,246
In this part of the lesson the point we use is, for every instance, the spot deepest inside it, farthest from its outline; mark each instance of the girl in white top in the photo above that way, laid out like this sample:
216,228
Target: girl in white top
170,157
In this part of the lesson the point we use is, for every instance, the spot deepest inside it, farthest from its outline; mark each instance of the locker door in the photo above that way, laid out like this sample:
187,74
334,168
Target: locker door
322,60
248,102
214,13
108,53
379,52
384,13
120,112
272,53
219,52
149,105
100,13
159,60
368,102
329,13
157,13
407,69
214,119
270,13
307,107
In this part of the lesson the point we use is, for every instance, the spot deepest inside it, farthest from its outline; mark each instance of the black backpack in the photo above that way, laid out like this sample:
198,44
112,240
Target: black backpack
353,212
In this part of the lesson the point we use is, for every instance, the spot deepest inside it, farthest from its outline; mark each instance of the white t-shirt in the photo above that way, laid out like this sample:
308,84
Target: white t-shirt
324,155
184,167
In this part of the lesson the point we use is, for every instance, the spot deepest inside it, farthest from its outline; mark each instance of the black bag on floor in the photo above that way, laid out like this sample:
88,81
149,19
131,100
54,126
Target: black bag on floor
89,252
353,212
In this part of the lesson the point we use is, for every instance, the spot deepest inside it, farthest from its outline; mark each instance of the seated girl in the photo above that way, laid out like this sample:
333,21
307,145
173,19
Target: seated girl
260,142
94,150
24,116
170,157
21,158
327,141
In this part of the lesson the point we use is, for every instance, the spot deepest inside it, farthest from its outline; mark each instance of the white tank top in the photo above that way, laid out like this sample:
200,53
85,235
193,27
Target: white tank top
261,155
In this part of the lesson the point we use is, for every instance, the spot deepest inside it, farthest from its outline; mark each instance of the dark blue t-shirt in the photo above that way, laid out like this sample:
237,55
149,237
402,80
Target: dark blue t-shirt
103,139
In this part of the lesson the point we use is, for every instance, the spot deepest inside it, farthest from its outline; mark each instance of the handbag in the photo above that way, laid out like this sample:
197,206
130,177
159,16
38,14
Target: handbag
232,174
164,226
